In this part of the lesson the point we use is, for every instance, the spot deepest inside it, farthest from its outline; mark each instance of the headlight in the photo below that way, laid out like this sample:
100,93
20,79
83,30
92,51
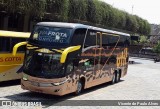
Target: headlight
60,83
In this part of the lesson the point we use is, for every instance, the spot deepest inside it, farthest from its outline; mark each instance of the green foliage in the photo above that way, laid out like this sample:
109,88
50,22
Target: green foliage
98,10
157,48
131,23
143,39
105,13
65,10
58,8
77,9
92,11
112,17
37,7
32,7
121,20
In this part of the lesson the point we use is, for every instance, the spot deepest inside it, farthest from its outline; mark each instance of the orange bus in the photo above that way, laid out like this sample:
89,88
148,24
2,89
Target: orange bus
62,58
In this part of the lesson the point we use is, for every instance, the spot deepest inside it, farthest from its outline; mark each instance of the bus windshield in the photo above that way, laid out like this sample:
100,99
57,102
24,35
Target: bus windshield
43,65
51,36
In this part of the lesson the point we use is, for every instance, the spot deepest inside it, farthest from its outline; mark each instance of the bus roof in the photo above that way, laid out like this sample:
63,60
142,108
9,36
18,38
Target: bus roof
78,25
14,34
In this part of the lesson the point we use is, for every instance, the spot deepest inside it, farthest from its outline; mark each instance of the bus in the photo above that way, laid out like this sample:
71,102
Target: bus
63,58
11,66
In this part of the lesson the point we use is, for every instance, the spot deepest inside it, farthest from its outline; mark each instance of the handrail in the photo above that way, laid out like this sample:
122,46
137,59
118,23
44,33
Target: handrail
68,50
17,46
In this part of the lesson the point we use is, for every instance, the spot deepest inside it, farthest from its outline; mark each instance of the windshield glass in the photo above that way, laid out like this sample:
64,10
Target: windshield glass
51,36
43,65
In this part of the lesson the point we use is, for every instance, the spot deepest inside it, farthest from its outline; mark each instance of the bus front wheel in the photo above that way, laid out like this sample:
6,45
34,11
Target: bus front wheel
114,78
118,76
79,88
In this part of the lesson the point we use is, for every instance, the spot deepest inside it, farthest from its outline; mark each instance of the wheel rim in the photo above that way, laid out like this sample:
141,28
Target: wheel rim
113,79
79,88
118,77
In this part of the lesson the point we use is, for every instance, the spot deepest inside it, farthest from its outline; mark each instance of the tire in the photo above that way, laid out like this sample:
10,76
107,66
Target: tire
113,78
118,76
79,88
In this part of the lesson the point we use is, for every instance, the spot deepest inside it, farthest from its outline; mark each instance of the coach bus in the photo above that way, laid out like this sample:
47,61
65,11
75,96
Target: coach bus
11,66
63,58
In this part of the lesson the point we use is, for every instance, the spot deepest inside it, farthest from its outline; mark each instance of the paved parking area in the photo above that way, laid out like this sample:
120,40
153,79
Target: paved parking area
141,83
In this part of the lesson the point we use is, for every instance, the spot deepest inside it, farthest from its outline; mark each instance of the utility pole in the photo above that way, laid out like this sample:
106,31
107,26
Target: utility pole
132,9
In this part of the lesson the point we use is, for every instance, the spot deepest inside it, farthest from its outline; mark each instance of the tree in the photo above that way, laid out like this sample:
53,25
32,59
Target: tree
157,48
121,20
105,13
143,39
77,9
58,8
32,7
91,12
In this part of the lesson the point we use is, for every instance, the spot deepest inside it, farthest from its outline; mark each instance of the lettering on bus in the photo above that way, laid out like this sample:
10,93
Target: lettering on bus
50,36
10,59
50,33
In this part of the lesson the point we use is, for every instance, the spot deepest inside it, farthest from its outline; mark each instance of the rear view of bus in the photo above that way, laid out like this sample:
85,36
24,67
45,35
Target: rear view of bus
62,58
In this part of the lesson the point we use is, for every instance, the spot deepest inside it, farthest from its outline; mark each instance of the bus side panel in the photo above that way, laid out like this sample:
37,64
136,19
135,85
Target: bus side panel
107,66
95,69
122,61
10,66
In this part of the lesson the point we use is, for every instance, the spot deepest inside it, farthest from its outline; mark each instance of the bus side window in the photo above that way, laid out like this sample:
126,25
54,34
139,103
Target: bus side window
113,40
90,39
105,40
88,65
127,42
5,43
69,68
78,36
124,41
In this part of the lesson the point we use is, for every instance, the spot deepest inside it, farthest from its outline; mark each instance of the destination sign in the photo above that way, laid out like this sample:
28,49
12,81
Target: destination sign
50,34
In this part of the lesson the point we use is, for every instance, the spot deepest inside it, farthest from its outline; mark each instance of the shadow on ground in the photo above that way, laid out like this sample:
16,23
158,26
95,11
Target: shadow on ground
51,100
10,83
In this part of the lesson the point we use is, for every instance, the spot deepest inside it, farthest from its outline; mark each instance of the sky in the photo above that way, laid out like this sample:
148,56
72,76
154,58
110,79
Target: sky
146,9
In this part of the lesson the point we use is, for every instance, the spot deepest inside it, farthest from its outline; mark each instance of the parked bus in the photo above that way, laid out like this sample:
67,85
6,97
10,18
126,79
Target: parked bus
62,58
11,66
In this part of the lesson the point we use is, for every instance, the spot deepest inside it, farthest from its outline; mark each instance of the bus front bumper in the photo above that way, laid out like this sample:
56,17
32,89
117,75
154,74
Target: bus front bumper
42,87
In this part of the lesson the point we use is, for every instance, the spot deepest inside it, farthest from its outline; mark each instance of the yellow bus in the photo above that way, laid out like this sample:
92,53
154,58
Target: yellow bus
11,66
63,58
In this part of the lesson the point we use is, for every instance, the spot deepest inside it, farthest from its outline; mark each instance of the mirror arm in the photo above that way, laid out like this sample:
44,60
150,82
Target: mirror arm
15,48
67,51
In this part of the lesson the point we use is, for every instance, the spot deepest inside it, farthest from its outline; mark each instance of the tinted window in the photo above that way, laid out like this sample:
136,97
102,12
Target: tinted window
91,38
51,35
43,65
124,41
109,40
7,44
78,37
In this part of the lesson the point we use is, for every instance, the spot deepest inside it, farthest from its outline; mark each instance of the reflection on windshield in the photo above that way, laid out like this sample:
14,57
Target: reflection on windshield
52,35
43,65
